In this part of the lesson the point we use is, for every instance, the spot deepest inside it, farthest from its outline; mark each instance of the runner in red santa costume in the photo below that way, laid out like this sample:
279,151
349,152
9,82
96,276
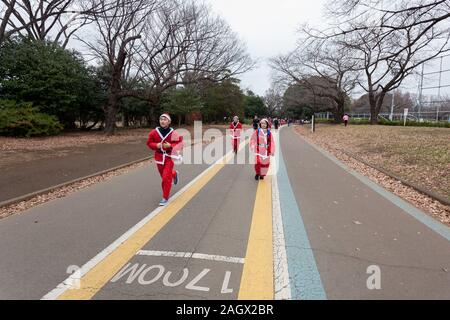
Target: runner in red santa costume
263,145
167,144
236,128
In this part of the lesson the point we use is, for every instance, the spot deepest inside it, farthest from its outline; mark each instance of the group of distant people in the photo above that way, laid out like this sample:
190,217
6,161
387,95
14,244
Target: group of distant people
261,142
275,122
167,145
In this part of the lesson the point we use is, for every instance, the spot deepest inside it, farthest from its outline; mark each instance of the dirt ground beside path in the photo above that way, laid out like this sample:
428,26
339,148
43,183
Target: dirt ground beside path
416,154
16,150
33,164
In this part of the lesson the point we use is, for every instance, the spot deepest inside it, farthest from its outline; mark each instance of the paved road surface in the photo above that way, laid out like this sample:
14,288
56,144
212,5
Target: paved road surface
312,229
65,165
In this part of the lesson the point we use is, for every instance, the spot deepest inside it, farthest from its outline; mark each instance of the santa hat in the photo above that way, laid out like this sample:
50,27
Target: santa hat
166,115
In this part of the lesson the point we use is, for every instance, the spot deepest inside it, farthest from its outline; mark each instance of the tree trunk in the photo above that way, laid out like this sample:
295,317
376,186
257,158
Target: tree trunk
112,106
4,21
154,102
378,103
373,116
126,120
339,109
338,114
148,121
111,115
69,125
373,109
68,121
151,116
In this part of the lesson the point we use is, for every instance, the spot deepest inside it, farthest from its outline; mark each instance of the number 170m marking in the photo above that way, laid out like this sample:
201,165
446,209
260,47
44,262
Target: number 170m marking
147,275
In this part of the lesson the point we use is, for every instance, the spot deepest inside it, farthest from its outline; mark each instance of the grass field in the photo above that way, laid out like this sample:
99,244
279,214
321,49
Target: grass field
420,155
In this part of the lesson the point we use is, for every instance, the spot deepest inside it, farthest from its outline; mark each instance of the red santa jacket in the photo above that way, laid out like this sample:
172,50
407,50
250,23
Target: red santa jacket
235,130
262,144
161,154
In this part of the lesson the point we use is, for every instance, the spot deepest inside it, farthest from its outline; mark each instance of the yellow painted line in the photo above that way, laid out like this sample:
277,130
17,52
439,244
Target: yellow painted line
257,274
99,275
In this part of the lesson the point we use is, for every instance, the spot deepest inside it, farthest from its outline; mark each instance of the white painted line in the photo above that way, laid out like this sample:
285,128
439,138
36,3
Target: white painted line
280,264
164,254
218,258
67,284
190,255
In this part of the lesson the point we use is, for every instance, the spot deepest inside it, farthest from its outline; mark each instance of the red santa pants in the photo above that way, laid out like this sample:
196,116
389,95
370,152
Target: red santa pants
235,143
167,174
262,166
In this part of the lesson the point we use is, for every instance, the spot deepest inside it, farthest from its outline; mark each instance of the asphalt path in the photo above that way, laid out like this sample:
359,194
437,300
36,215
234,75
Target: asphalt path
313,229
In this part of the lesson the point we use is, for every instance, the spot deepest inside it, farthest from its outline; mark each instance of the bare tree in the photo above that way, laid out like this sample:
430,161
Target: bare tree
402,100
160,58
54,20
6,10
150,47
324,66
185,46
119,25
388,59
273,99
390,15
313,92
294,97
390,43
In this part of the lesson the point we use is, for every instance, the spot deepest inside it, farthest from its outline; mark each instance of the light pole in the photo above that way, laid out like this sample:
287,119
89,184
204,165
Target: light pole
439,92
421,91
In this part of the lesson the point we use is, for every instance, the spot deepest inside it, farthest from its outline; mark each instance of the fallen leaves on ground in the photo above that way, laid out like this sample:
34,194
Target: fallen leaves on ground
14,148
418,155
64,191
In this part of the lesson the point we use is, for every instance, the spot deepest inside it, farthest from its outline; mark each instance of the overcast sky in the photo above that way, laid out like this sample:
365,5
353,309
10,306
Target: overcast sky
268,27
